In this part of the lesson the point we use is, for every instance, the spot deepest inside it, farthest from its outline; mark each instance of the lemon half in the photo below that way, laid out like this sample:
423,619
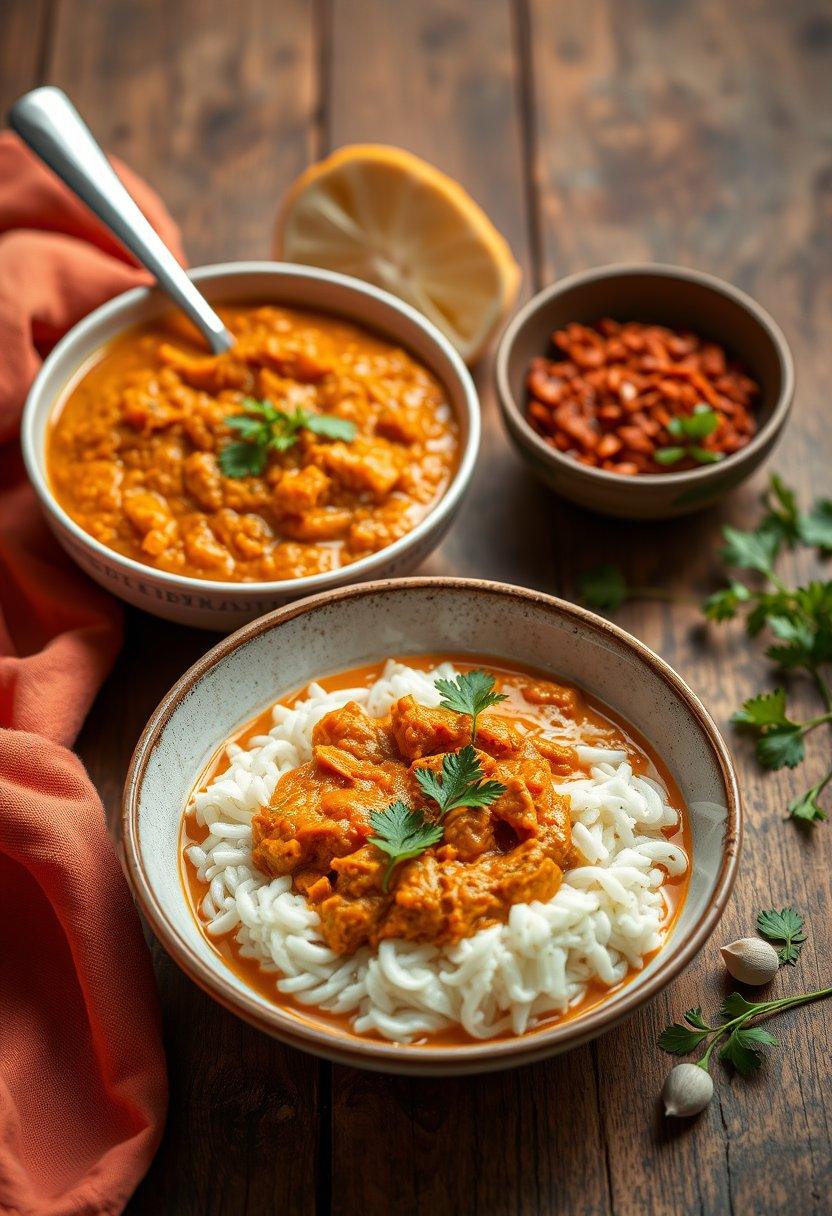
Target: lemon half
390,218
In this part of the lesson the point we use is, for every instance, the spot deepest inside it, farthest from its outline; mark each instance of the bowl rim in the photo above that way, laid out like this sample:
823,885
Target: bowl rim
378,1054
442,509
515,415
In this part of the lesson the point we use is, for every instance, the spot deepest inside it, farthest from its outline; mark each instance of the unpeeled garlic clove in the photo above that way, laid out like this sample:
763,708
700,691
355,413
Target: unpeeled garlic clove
751,960
687,1090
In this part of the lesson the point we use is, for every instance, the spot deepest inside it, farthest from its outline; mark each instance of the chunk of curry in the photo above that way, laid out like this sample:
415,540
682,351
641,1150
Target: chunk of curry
317,826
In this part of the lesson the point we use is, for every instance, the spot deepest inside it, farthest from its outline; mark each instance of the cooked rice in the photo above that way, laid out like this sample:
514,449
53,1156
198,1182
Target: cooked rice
606,917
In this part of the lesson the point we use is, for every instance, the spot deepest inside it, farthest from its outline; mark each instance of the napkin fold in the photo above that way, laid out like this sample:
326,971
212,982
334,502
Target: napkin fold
82,1074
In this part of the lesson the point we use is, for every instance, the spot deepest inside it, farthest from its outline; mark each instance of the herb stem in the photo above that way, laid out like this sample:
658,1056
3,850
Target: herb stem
765,1009
823,688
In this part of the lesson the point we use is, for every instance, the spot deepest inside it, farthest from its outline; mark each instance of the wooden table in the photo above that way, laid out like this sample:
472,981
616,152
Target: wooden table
591,132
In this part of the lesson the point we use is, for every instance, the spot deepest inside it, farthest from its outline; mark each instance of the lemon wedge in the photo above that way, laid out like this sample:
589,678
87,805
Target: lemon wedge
390,218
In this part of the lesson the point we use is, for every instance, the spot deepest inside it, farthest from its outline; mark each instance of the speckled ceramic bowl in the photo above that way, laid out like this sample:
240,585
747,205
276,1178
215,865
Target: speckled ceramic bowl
667,295
212,603
346,628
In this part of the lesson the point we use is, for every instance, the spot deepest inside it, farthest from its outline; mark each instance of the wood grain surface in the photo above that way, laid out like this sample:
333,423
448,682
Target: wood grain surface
697,132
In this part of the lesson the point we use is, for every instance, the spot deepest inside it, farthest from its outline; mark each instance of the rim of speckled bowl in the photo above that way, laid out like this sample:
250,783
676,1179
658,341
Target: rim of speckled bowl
124,306
688,478
347,1047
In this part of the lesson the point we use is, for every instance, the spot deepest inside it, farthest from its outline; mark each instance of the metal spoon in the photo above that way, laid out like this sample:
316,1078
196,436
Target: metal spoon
49,123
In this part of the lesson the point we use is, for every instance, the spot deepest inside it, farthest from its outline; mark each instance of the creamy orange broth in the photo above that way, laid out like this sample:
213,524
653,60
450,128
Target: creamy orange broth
133,450
606,728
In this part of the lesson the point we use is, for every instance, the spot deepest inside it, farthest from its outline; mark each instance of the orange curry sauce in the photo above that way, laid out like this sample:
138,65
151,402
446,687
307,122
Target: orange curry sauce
593,722
134,452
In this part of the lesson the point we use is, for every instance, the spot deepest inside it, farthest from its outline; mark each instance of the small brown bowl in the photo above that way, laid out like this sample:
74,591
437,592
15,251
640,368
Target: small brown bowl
666,295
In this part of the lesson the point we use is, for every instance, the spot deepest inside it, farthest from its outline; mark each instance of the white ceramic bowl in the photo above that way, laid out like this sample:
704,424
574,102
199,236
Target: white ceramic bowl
353,626
209,603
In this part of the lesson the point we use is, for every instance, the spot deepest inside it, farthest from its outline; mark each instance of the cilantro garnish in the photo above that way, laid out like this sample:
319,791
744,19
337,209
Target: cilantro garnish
688,429
460,782
264,428
402,833
470,693
786,929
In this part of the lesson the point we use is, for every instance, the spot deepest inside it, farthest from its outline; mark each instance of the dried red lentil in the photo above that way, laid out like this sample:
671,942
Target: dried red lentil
608,398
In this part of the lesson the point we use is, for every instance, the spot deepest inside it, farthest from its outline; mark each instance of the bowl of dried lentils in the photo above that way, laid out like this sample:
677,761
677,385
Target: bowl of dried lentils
644,391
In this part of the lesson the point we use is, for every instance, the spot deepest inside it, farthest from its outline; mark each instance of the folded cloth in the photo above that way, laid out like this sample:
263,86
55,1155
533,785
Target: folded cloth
82,1074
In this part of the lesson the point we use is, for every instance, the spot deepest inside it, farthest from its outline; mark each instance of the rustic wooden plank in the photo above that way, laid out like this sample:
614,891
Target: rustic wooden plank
447,88
700,134
22,47
217,109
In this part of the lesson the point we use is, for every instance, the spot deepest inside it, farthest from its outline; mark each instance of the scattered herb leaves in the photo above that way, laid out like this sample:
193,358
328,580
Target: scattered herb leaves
688,428
786,929
460,783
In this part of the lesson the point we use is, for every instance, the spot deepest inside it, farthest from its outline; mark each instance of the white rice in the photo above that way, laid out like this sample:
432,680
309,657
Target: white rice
606,917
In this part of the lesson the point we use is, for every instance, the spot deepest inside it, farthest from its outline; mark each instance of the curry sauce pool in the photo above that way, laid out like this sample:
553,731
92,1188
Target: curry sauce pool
311,444
548,919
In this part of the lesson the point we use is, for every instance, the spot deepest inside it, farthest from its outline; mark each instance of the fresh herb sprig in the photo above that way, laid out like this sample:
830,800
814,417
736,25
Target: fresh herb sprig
403,832
460,783
264,428
799,620
786,929
470,693
742,1045
689,429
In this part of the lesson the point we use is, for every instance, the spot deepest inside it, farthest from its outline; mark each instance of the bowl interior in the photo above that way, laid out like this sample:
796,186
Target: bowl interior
651,295
347,628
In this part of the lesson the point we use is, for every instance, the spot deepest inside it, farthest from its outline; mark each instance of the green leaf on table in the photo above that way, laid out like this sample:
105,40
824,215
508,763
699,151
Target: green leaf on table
767,709
782,747
723,605
750,550
786,928
678,1040
603,587
816,527
806,808
736,1006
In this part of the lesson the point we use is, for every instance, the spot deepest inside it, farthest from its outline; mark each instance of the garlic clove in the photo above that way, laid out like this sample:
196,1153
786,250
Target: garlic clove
687,1090
751,960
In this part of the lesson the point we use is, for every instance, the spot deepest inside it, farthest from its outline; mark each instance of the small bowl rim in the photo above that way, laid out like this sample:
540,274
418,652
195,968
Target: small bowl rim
514,414
379,1054
441,510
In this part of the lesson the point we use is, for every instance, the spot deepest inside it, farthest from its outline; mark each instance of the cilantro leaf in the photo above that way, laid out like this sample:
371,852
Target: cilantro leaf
330,426
470,693
723,605
741,1050
705,455
782,515
765,710
242,459
603,587
460,782
402,833
668,456
701,423
694,1018
750,550
735,1006
806,808
782,747
786,928
678,1040
816,528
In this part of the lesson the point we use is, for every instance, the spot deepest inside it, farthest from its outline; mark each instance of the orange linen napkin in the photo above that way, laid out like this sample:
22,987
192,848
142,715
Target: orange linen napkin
82,1073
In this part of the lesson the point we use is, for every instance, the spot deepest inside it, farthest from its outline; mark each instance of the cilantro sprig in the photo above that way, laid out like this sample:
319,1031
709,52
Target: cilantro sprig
460,783
470,693
786,929
404,832
264,428
688,429
798,621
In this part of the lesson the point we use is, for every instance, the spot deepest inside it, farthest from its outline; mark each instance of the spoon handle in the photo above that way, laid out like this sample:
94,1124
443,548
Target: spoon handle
49,123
